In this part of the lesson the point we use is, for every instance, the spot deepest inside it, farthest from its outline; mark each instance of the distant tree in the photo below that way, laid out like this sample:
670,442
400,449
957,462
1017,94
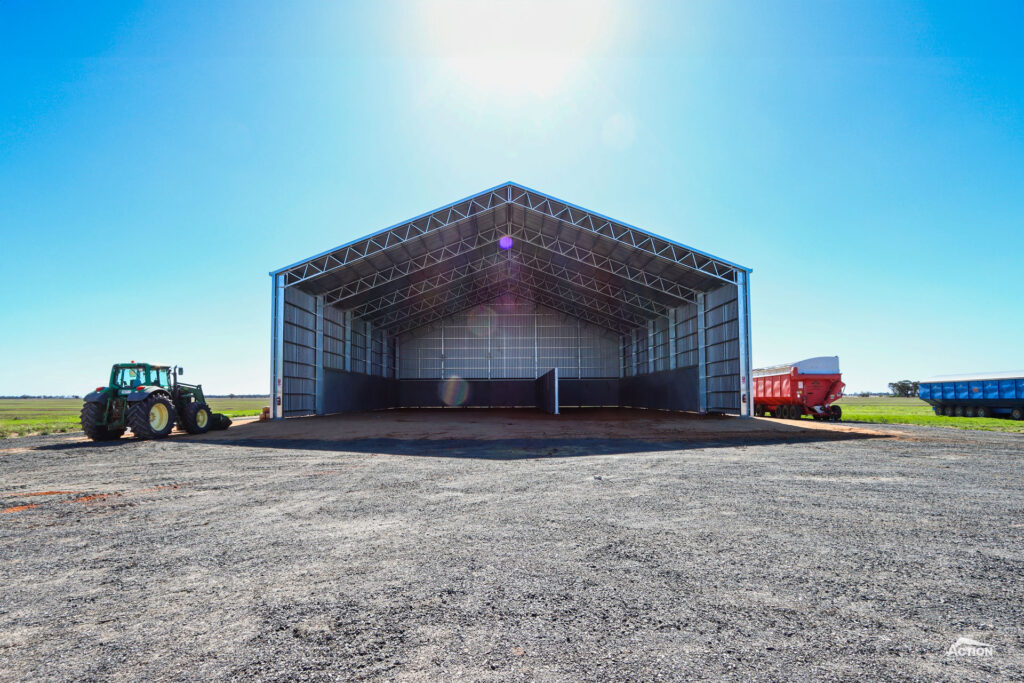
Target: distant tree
904,388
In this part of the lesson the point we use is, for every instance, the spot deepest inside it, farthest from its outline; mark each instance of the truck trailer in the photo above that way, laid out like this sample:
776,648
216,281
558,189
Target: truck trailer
994,394
792,390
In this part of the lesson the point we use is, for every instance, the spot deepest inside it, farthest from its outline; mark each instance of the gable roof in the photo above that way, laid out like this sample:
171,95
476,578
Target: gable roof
563,256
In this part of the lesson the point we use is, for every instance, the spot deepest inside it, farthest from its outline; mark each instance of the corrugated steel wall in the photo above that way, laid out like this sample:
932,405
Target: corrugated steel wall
509,338
368,351
299,353
649,348
722,338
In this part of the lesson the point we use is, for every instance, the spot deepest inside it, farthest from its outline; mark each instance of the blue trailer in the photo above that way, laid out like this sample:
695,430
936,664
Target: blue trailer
997,394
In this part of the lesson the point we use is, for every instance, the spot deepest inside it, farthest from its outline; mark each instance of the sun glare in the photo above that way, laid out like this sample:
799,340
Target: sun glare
526,47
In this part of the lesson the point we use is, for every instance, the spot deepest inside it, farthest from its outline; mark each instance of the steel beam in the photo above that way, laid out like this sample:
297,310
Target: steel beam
277,347
318,405
743,307
702,355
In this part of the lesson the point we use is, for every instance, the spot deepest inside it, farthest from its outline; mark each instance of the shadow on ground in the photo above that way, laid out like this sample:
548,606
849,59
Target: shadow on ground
502,434
518,449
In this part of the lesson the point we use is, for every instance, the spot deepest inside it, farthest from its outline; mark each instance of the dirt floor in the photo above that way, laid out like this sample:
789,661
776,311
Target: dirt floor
498,545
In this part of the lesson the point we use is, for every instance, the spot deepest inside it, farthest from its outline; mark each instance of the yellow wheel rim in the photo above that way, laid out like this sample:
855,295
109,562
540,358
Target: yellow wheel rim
202,417
158,416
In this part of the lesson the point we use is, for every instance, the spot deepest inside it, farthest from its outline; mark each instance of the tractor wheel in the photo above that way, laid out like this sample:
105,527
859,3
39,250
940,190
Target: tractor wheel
152,418
196,418
93,426
835,413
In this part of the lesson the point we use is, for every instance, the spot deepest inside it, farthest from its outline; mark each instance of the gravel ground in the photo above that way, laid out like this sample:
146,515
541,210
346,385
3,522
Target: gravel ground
826,555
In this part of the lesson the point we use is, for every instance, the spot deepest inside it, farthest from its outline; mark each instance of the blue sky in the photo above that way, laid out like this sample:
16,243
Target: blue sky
158,159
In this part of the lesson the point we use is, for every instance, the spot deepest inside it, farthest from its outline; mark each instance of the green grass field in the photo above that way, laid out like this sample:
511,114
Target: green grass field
913,411
19,417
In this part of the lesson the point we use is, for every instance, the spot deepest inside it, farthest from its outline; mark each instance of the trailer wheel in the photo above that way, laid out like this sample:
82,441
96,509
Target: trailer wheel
958,411
983,411
835,413
937,410
1017,414
968,411
947,411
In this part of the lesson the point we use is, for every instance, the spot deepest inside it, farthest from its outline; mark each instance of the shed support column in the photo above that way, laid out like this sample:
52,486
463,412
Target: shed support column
348,341
635,338
743,307
318,405
672,338
622,356
536,353
368,359
383,353
650,346
702,355
579,349
277,347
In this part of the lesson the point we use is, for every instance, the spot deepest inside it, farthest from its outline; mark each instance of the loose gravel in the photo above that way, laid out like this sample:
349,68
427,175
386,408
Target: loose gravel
828,557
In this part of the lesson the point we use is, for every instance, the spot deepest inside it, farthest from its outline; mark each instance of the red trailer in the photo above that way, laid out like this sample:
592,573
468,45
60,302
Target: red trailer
807,387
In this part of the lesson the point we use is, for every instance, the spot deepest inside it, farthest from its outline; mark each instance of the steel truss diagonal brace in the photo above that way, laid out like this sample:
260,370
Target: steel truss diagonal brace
637,239
535,264
431,258
414,229
498,275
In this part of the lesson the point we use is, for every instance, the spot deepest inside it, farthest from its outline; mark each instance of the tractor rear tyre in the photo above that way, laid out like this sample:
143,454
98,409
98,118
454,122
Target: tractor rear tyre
196,418
152,418
93,426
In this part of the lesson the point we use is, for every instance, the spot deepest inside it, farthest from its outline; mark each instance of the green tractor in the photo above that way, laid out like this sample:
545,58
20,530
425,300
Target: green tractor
148,399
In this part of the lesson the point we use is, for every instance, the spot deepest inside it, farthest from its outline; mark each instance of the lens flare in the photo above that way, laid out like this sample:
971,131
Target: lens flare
479,321
505,243
454,391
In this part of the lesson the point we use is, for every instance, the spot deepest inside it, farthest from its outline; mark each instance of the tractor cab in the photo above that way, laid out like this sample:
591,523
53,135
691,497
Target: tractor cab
133,375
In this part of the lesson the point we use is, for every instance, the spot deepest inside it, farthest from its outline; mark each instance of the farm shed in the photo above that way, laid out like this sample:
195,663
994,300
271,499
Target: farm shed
510,298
